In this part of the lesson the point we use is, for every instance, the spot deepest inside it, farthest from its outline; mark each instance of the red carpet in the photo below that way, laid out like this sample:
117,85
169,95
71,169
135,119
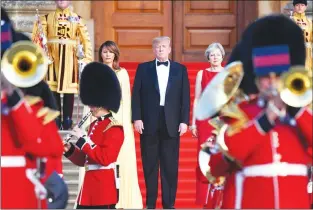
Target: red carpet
186,191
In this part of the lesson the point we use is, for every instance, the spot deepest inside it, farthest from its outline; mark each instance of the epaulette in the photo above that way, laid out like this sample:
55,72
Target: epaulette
48,114
32,100
42,112
235,112
113,122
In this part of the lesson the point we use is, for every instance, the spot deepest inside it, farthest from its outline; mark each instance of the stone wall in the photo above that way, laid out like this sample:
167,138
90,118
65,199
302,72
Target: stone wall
23,13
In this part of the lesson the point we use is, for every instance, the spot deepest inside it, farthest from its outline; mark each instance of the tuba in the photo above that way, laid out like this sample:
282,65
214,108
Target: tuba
222,88
219,96
295,87
24,64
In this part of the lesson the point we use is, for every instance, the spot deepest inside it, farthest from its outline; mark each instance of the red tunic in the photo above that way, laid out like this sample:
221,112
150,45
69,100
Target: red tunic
220,167
20,130
52,145
274,163
53,140
99,186
204,131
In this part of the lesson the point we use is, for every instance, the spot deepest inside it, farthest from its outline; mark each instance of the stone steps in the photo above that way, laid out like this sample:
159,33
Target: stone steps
77,109
71,177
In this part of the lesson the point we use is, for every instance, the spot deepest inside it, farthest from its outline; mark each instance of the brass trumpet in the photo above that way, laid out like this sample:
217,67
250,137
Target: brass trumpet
296,87
24,64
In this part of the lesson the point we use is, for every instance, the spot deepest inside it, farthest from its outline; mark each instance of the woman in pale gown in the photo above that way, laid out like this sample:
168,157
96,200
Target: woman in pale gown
129,193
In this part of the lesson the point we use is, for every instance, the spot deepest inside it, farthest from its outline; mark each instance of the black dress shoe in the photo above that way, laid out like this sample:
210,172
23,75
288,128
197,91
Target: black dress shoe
172,207
67,123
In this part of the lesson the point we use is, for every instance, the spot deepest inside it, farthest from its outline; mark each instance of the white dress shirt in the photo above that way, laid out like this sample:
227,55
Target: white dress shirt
162,72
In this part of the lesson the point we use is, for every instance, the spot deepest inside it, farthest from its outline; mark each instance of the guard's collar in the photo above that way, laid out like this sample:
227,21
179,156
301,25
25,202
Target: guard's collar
104,116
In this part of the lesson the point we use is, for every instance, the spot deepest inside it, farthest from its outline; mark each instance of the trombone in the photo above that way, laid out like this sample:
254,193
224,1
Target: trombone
222,89
219,96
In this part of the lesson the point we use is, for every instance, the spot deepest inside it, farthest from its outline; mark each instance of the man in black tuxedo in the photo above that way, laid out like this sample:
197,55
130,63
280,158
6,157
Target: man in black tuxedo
160,112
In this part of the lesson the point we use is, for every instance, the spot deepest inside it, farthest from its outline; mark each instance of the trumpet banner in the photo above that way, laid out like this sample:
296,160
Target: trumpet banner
36,37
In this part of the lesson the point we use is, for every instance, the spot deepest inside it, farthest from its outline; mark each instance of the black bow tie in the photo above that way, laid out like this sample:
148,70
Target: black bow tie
162,63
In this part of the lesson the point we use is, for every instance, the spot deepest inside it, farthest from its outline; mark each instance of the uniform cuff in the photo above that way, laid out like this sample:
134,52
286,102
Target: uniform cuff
227,159
293,111
14,99
264,123
81,143
207,150
70,151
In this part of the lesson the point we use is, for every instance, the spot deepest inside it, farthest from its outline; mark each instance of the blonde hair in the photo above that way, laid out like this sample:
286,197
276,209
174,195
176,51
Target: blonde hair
160,38
213,46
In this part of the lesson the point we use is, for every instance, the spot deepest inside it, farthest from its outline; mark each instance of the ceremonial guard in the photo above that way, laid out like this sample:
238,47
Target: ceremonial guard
98,151
270,147
63,33
266,172
217,165
14,112
42,102
305,24
21,127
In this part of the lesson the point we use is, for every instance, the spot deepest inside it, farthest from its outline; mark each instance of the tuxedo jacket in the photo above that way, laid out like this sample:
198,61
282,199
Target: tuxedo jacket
146,97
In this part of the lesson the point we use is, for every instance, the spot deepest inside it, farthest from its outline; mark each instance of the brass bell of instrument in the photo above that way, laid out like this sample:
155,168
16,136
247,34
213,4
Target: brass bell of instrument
219,91
24,64
296,87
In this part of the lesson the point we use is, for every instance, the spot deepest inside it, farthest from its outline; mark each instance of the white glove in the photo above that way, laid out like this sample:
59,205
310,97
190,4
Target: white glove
81,66
80,52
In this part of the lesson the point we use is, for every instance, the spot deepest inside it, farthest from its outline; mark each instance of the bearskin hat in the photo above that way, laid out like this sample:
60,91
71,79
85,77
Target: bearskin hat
295,2
100,87
274,35
43,91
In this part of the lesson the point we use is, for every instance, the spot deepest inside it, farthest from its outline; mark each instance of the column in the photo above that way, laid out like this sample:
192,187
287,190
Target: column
23,13
83,8
268,7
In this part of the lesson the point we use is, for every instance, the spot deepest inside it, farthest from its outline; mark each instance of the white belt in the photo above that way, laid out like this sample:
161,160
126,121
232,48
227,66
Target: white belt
276,169
93,167
62,41
13,161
